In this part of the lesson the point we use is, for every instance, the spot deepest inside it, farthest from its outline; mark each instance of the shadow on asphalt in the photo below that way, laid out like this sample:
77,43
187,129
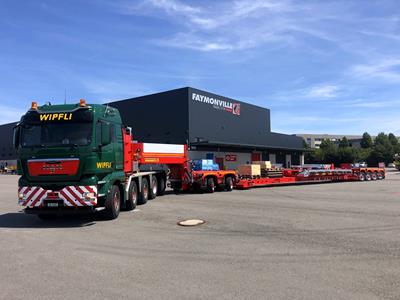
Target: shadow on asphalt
21,220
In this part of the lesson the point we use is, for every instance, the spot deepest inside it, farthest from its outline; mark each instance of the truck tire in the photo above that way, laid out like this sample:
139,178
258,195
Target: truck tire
368,176
144,193
361,176
113,203
161,186
132,196
210,185
228,184
374,176
380,176
154,189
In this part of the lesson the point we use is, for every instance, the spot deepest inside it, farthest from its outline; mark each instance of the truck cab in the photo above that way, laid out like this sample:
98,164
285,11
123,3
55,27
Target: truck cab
70,157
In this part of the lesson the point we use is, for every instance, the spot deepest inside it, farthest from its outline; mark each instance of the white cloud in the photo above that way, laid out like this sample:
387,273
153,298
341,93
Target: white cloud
172,6
323,91
387,70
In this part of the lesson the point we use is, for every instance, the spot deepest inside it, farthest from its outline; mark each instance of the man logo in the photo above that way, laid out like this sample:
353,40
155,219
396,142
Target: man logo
236,109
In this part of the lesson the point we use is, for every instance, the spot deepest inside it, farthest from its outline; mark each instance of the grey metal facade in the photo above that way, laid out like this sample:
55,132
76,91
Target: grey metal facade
200,118
7,151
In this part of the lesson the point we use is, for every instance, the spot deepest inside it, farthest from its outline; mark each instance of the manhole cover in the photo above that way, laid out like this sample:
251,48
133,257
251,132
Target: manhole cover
191,222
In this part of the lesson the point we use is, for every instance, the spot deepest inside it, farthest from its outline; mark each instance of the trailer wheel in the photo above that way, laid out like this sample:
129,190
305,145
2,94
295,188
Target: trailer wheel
161,186
113,203
361,176
228,184
380,176
374,176
368,176
132,196
154,189
210,185
144,193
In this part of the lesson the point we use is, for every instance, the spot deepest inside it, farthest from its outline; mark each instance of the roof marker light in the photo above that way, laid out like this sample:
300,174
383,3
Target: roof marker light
82,102
34,105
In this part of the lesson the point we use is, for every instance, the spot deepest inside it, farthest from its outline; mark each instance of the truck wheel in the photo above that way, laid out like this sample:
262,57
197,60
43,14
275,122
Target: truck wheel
132,196
368,176
380,175
210,185
154,189
113,203
361,176
374,176
228,184
144,193
161,186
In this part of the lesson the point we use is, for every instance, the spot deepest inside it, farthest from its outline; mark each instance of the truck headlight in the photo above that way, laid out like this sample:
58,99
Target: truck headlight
20,196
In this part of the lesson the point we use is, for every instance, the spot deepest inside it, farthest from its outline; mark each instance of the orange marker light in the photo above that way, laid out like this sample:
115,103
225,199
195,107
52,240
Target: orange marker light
82,102
34,105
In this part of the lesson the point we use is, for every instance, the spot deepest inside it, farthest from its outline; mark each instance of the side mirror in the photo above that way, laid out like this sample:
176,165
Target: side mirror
105,134
16,137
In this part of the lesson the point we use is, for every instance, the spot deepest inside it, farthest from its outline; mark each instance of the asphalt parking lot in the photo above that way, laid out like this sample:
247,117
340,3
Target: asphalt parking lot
327,241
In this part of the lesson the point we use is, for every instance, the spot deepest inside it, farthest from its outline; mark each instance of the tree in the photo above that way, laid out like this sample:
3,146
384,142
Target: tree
383,150
344,143
382,139
393,139
366,141
346,155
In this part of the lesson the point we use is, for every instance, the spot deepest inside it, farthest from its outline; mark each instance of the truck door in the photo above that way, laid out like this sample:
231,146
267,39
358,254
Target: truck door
105,157
118,148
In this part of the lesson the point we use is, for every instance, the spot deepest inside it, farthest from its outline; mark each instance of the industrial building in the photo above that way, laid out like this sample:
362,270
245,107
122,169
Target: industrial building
215,127
315,140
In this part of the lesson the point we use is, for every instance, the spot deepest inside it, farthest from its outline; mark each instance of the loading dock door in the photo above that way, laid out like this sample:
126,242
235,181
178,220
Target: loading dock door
255,156
220,162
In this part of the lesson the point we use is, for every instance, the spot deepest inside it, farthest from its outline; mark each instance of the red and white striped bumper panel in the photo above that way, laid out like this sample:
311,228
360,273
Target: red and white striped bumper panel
73,196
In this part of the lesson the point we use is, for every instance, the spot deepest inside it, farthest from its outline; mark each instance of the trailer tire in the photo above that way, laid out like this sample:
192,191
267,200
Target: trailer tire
228,184
210,185
153,191
374,176
361,176
368,176
113,203
132,196
380,176
161,186
144,193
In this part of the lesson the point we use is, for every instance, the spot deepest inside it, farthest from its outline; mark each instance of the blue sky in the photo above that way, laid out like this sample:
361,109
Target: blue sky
321,66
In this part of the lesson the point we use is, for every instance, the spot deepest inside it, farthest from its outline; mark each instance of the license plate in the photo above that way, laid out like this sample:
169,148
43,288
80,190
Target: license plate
52,204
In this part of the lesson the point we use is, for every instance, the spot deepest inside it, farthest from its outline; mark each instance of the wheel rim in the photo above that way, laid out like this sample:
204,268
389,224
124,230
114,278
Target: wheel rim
134,195
362,177
145,191
116,201
154,187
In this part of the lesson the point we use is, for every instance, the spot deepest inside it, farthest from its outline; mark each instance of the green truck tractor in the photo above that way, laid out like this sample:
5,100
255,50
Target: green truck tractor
71,160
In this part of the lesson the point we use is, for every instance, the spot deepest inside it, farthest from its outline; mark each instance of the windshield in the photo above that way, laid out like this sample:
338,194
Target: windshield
56,134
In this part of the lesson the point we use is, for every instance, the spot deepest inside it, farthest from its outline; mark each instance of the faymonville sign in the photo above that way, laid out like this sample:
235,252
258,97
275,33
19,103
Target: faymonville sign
228,106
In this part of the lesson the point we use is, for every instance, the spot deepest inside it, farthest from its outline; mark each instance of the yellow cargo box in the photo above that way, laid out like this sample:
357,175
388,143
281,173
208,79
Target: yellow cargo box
263,164
249,170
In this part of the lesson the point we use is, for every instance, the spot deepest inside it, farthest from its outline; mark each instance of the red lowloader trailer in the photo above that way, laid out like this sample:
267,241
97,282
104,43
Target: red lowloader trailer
304,176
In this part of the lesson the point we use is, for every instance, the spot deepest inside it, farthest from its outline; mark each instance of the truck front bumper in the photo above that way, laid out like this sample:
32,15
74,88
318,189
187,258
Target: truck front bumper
67,197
